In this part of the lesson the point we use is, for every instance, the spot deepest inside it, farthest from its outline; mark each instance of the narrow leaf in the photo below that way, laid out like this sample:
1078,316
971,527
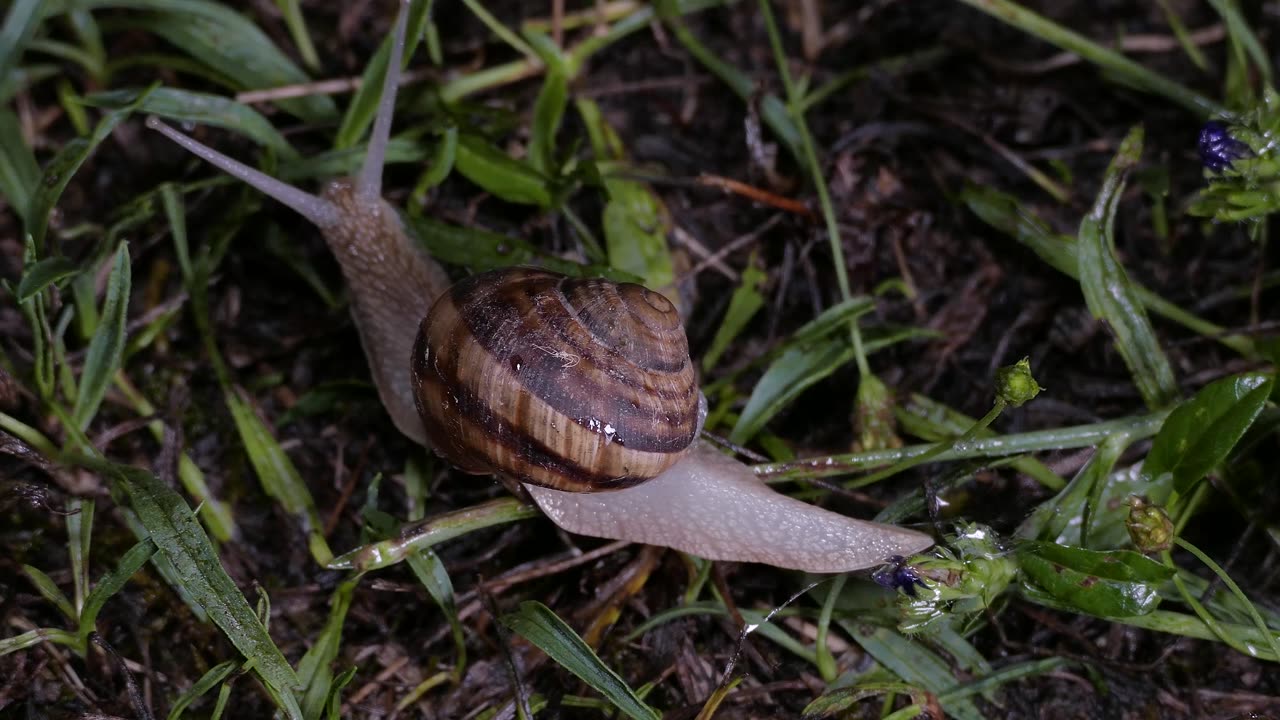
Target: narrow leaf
200,108
43,274
112,582
107,345
207,682
19,172
745,303
1108,292
542,627
180,539
500,174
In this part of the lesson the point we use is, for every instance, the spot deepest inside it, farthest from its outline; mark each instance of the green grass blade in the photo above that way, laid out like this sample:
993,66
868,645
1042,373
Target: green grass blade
106,348
178,536
1108,292
57,173
231,45
20,24
279,476
43,274
499,174
1119,66
31,638
79,540
297,24
743,305
914,662
200,108
207,682
112,582
19,171
548,111
536,623
48,590
364,103
315,669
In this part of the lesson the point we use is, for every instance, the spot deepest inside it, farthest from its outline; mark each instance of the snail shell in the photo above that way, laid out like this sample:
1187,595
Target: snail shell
572,384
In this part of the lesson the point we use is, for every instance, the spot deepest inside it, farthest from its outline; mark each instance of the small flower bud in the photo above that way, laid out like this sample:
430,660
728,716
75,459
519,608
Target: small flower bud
1218,149
1149,525
1015,385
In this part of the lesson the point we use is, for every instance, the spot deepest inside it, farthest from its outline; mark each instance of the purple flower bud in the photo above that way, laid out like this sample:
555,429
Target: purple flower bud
1218,149
898,575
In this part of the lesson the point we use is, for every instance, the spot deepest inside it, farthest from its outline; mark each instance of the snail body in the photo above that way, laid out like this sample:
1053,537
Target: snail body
579,393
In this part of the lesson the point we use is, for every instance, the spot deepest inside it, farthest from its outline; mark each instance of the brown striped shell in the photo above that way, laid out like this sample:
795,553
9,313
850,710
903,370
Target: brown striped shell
573,384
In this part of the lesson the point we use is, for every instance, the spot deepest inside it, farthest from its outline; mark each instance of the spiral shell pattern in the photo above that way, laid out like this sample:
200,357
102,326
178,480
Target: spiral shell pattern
573,384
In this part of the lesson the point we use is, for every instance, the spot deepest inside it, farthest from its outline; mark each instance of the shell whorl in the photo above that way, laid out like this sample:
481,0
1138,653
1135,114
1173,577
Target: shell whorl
566,383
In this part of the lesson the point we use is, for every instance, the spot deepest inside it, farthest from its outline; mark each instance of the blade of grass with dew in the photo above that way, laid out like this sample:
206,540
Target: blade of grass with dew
200,108
635,220
913,662
930,420
1061,252
178,536
208,681
315,670
536,623
229,44
364,102
1072,516
1116,65
57,173
1200,433
746,301
19,171
111,583
106,348
1107,290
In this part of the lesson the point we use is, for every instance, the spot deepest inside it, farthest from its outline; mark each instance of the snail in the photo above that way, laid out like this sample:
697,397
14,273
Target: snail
493,373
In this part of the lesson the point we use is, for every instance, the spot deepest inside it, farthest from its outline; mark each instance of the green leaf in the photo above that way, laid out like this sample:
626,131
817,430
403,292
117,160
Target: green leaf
107,345
314,670
231,45
201,108
364,102
112,582
1114,583
499,174
482,250
180,539
57,173
49,590
745,303
43,274
19,172
207,682
1200,433
548,110
809,358
1108,292
20,24
914,662
279,476
536,623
